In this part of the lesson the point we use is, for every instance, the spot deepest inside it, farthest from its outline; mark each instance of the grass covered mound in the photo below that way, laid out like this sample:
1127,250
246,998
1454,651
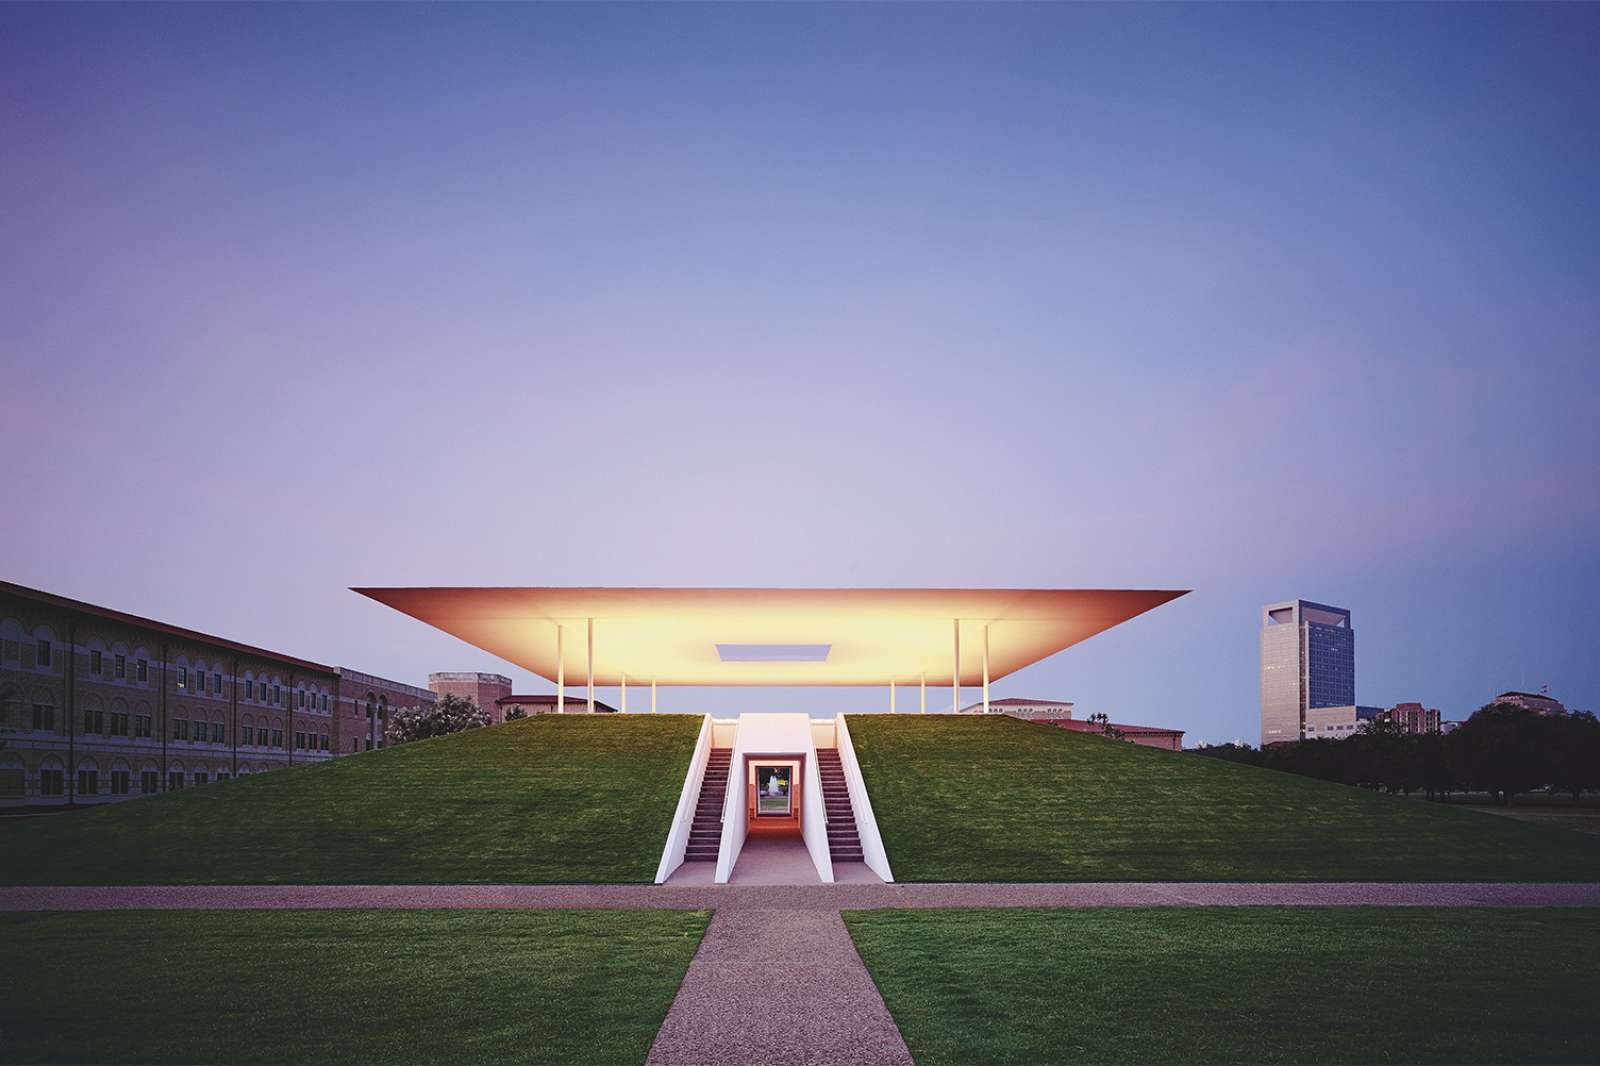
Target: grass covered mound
548,799
999,799
1236,985
296,986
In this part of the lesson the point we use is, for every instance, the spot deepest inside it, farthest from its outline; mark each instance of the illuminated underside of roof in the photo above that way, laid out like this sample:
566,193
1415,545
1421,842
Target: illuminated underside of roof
771,636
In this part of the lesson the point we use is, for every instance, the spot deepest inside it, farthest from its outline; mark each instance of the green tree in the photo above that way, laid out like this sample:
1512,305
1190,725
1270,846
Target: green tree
1505,750
448,714
1575,759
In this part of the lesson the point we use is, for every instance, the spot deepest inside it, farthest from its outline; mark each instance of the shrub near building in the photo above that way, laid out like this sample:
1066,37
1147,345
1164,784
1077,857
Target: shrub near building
449,714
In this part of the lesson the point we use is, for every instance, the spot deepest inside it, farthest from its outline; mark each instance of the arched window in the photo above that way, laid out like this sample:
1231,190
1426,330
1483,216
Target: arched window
149,778
175,778
93,713
88,777
42,710
52,777
121,778
44,651
140,670
10,640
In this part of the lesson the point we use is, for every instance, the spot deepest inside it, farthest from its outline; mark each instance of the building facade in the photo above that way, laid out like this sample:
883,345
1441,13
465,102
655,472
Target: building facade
531,705
486,690
1146,736
1308,661
1413,718
1021,708
1537,702
1058,713
97,705
1338,723
365,701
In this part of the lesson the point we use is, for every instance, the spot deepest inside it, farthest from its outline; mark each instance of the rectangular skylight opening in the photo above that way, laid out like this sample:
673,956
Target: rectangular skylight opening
774,653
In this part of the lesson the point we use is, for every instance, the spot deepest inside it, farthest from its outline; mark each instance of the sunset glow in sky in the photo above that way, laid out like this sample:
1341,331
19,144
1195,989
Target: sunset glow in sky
1264,302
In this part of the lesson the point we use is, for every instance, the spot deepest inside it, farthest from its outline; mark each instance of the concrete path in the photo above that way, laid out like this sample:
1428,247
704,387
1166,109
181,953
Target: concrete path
778,986
808,897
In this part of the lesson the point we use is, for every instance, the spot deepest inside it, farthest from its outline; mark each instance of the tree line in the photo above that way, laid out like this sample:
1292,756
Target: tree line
1502,749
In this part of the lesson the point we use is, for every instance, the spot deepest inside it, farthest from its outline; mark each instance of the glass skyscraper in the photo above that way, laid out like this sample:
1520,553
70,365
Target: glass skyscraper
1308,659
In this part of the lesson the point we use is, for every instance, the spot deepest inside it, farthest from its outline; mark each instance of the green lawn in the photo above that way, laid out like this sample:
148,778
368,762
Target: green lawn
1237,985
999,799
547,799
288,986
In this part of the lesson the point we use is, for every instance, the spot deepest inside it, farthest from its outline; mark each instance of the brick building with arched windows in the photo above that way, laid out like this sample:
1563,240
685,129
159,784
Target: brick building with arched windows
97,705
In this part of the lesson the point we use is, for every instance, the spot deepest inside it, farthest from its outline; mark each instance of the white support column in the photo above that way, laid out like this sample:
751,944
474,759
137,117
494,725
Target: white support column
924,693
624,685
955,674
652,695
985,669
591,666
561,668
891,695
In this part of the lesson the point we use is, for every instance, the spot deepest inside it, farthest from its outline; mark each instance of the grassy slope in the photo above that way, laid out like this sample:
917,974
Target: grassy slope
547,799
340,986
998,799
1236,985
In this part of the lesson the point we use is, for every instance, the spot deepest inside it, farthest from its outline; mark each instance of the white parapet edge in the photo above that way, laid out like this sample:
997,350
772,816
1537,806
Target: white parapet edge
734,818
872,850
683,820
814,822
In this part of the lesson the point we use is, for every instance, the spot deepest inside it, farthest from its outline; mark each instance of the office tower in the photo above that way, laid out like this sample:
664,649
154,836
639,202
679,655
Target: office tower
1308,659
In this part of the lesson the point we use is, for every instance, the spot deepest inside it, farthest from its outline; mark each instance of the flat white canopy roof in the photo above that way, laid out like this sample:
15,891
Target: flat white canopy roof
771,636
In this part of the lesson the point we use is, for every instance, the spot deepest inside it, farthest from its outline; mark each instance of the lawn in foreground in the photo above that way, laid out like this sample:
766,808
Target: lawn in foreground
999,799
1237,984
292,986
554,798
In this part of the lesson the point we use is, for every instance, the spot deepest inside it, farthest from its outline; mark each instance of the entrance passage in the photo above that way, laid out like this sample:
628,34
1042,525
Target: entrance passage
705,832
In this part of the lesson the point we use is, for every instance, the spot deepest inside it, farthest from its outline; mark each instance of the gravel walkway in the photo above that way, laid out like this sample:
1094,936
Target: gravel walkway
807,897
778,986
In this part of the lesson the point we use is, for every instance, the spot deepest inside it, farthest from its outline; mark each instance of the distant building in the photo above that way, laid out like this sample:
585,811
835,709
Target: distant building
1308,661
1413,718
532,705
486,690
1337,723
1148,736
1537,702
1018,708
1058,713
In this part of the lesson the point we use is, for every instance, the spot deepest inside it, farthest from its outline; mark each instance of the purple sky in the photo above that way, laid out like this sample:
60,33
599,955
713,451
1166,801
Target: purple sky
1260,301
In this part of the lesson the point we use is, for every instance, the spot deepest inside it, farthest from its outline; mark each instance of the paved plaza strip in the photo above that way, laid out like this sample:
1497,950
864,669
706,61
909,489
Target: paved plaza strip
828,897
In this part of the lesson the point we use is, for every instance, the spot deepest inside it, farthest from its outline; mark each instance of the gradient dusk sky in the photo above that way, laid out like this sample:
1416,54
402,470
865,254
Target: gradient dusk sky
1263,301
